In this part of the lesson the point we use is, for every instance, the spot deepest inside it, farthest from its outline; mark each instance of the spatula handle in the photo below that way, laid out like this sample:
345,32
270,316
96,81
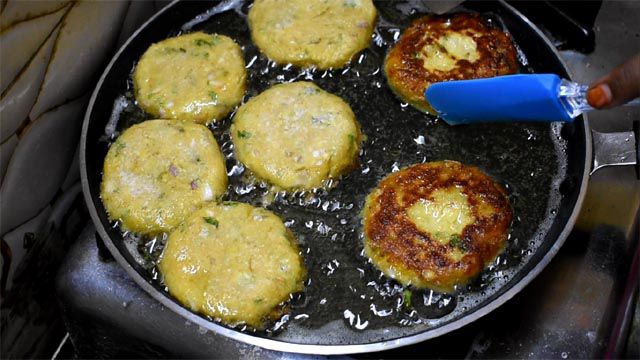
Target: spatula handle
573,97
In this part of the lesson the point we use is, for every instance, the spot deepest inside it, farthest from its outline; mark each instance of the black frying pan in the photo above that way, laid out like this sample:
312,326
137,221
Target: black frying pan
348,306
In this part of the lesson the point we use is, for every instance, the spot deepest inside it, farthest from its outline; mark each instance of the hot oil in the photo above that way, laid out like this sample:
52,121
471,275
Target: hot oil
347,300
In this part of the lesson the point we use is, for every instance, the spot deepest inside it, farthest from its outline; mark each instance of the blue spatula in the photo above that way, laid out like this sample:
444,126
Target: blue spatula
531,97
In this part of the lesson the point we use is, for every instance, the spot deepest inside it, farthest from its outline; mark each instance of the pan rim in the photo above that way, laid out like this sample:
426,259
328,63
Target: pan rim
278,345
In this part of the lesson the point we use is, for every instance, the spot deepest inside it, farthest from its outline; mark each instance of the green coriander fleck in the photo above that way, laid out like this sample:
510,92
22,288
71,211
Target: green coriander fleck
406,298
214,96
456,241
211,220
119,146
242,134
350,4
200,42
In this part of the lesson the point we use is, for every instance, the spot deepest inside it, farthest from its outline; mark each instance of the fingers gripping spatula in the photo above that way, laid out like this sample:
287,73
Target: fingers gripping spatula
524,97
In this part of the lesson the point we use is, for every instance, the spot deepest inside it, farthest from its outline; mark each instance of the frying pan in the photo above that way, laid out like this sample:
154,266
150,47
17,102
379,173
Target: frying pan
348,307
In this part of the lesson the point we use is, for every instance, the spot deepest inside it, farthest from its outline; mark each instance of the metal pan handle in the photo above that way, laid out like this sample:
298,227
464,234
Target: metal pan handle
616,148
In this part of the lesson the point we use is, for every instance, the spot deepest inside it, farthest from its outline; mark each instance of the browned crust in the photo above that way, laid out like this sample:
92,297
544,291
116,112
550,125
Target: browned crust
409,79
393,237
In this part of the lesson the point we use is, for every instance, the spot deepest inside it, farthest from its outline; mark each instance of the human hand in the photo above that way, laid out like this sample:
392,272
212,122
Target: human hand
618,87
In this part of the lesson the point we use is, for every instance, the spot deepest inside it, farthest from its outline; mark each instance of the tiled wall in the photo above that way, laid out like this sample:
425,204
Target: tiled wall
51,54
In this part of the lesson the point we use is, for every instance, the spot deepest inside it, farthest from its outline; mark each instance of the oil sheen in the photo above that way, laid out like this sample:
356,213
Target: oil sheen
346,300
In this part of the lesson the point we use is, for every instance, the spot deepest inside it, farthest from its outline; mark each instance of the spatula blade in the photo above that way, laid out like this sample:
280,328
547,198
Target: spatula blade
530,97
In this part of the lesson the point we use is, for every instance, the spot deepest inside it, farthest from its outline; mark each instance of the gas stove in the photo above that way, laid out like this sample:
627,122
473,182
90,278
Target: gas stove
580,306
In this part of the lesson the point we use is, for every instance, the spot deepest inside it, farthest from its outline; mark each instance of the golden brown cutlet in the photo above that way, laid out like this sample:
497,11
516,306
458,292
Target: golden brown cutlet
448,47
436,225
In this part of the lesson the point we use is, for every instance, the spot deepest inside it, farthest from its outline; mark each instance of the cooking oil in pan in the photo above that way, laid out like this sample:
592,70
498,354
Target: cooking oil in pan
347,300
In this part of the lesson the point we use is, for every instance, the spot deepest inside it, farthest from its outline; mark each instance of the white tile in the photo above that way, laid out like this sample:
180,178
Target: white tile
88,34
16,11
6,150
39,164
19,43
20,96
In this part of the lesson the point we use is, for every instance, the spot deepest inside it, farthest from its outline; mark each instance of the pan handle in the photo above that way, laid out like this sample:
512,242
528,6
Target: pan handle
617,148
